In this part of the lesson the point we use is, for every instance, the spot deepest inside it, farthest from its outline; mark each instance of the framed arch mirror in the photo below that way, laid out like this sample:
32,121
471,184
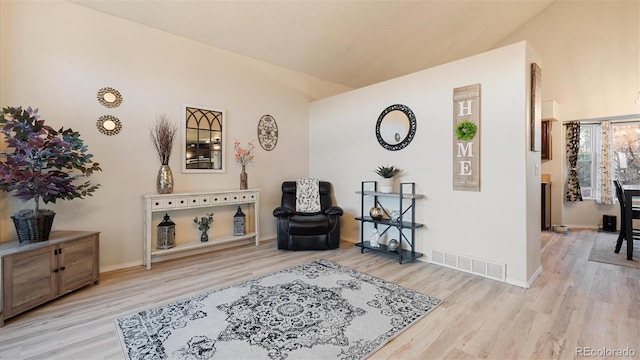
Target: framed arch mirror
396,127
109,97
203,139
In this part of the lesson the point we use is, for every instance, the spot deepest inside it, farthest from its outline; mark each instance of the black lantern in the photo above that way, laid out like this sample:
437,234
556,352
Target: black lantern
166,234
238,223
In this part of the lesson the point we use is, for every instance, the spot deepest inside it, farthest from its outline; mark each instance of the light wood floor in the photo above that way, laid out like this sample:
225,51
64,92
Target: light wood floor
575,303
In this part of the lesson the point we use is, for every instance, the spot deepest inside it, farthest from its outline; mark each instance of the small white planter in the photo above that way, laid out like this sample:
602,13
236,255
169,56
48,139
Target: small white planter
385,185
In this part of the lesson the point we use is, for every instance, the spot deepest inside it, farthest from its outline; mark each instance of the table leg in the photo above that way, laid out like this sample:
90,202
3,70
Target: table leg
629,223
622,236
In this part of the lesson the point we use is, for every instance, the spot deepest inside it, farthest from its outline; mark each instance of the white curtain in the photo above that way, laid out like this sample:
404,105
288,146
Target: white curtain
604,165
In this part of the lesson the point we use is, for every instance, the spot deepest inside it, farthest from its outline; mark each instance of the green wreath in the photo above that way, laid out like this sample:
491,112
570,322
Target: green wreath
465,130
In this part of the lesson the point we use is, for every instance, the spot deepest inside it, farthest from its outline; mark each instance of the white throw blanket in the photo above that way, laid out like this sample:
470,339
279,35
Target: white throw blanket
307,195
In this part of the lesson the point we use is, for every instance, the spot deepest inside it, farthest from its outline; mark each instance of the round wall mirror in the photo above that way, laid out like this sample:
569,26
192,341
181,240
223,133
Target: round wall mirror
109,97
109,125
396,127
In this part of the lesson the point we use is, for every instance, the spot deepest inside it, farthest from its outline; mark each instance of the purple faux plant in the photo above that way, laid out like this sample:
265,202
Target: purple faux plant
44,163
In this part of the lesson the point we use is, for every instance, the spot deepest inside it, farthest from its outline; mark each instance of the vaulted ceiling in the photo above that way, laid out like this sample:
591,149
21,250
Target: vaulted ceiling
353,43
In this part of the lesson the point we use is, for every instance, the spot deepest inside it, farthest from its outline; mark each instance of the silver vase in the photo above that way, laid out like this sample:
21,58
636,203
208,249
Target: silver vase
164,182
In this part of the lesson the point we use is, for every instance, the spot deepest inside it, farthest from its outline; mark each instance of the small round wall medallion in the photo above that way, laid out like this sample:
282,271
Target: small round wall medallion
109,97
267,132
109,125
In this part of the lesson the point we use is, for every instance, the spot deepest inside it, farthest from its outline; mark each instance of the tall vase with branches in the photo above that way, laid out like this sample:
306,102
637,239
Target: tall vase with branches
244,156
163,134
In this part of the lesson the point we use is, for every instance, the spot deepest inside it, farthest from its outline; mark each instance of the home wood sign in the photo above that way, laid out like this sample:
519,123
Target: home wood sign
466,138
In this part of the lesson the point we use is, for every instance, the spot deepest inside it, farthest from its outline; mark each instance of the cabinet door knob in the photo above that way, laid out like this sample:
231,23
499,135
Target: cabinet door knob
55,270
62,268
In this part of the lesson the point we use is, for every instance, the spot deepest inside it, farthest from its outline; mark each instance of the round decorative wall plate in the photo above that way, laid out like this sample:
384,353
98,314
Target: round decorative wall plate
109,125
267,132
109,97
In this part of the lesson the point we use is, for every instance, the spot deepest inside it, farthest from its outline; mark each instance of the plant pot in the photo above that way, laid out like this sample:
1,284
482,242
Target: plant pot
385,185
33,229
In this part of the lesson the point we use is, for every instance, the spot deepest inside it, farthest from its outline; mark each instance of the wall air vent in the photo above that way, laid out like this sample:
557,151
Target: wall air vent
485,268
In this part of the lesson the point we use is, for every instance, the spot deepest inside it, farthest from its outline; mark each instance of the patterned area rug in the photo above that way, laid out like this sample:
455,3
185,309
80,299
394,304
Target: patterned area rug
317,310
605,244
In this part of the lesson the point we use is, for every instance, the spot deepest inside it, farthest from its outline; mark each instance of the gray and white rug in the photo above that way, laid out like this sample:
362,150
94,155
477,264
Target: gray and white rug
605,244
316,310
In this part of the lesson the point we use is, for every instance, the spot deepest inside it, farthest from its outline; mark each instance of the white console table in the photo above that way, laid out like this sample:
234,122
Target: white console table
187,204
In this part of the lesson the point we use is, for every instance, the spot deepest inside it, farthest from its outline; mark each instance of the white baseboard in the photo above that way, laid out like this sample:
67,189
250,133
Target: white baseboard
590,227
525,284
104,269
120,266
269,237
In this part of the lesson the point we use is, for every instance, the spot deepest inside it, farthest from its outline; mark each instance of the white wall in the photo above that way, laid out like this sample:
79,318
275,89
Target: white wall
56,55
502,221
591,53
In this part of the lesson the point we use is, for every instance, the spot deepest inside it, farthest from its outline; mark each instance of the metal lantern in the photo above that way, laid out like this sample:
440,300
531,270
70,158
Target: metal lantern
166,234
238,222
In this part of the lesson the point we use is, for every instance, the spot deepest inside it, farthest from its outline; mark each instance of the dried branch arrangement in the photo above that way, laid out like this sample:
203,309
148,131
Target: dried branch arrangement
163,134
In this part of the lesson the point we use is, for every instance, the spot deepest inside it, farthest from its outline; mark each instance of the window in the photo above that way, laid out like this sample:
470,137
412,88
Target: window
586,166
625,156
626,152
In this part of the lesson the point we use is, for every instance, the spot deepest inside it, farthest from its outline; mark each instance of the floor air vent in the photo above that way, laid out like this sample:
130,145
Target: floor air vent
468,264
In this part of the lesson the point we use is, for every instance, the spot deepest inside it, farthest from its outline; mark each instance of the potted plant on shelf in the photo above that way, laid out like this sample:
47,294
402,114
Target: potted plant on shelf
43,166
204,223
387,173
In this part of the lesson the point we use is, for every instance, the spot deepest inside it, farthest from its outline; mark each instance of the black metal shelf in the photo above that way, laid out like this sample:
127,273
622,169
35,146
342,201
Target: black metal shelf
393,195
403,224
407,255
407,195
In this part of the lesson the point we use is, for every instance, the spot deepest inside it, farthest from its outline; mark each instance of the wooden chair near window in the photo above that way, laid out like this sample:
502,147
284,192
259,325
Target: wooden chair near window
635,213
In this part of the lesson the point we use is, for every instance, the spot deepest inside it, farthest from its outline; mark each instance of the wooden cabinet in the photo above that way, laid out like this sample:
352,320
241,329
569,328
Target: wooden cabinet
545,153
180,204
33,274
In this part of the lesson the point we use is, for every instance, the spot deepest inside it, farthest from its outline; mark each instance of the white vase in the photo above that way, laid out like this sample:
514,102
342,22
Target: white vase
385,185
375,237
